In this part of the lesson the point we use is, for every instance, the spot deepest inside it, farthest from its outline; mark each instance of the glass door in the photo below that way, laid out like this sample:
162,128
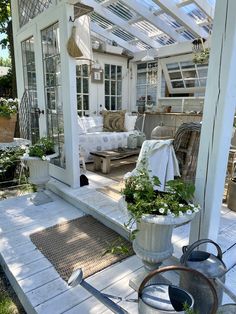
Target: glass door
52,89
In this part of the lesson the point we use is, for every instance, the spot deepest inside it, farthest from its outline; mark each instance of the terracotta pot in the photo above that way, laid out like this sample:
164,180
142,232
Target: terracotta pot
7,129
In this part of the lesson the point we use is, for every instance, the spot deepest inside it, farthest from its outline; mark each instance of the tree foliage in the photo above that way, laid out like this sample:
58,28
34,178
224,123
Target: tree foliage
5,18
7,41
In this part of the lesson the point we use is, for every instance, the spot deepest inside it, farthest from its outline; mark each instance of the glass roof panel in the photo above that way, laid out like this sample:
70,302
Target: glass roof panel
152,6
123,34
141,45
147,28
101,21
121,10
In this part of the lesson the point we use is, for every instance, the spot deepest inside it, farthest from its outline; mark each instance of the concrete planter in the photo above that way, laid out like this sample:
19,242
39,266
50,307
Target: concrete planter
7,129
153,240
39,175
231,195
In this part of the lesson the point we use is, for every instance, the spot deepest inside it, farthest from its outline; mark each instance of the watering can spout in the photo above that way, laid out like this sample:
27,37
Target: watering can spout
77,279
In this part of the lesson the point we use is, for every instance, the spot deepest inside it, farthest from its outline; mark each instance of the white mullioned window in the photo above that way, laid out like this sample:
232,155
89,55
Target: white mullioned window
82,83
113,87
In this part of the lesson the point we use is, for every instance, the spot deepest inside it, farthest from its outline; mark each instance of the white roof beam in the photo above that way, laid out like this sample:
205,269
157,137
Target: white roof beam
135,20
104,12
154,20
206,8
204,23
158,12
106,3
183,3
170,8
102,32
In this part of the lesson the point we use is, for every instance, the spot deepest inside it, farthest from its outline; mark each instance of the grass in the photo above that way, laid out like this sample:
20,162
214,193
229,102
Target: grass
9,303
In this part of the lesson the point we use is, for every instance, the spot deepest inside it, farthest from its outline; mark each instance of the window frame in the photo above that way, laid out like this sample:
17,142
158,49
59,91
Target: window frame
180,60
113,81
84,112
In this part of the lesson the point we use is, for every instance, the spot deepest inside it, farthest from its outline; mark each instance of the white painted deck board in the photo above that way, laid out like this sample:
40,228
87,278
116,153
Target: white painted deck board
35,279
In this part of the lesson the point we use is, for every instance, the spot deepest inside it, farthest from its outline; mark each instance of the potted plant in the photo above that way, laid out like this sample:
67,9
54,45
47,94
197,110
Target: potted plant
8,111
38,157
156,214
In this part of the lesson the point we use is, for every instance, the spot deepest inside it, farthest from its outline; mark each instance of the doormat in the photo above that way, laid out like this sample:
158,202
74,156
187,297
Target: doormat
80,243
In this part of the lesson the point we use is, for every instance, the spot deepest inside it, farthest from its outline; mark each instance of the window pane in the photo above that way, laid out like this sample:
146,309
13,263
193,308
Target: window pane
79,102
78,81
107,87
175,75
86,102
178,84
107,102
113,72
85,70
78,70
191,83
189,74
119,72
173,66
187,65
113,103
85,85
119,103
107,71
113,87
119,87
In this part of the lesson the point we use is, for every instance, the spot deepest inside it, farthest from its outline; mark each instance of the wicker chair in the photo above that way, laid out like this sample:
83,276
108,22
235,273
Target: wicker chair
186,146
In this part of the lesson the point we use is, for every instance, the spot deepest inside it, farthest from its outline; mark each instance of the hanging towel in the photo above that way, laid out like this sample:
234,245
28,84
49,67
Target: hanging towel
83,39
158,157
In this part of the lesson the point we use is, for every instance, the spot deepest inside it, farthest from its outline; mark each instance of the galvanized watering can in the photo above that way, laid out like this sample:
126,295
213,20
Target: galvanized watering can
153,298
208,264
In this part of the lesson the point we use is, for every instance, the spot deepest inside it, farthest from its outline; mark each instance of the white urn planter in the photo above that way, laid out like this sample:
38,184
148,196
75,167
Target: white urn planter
152,243
39,175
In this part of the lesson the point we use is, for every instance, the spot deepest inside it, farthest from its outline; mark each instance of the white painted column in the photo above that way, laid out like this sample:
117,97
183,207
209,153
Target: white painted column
68,72
217,122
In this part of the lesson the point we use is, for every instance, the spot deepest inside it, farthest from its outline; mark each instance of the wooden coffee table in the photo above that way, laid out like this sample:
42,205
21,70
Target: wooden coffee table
102,159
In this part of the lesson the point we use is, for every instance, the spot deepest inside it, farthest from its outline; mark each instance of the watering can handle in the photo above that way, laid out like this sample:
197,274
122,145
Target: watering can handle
181,268
187,250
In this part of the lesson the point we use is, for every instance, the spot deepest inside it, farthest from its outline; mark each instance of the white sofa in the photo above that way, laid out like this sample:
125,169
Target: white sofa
92,138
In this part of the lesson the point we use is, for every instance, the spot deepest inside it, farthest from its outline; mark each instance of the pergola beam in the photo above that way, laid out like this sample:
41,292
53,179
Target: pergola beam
217,124
153,19
104,33
183,3
206,8
104,12
170,8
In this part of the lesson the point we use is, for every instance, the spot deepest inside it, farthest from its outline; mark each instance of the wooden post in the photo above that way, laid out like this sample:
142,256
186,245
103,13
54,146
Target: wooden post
219,109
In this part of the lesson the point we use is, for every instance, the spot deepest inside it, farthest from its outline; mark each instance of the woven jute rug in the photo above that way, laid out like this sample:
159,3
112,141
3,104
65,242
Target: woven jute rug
81,242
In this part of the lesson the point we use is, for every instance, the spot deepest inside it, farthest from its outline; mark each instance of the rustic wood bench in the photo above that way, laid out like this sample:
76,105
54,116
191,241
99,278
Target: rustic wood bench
102,159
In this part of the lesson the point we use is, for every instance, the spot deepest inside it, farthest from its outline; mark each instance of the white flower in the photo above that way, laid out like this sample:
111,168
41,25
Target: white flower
168,212
43,157
165,205
162,210
196,210
25,155
189,212
180,213
191,205
181,205
27,151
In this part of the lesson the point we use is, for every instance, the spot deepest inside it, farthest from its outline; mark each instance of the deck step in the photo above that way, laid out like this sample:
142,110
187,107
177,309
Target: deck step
94,203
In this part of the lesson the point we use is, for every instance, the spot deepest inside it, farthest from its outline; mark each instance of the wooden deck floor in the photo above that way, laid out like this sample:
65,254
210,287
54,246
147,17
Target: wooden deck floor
39,286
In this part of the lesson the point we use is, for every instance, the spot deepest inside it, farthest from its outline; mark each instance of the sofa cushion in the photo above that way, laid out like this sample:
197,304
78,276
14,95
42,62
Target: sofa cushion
93,124
130,122
113,121
81,127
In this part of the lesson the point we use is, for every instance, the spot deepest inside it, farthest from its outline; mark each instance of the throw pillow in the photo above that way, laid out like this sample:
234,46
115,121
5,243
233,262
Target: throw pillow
130,122
113,121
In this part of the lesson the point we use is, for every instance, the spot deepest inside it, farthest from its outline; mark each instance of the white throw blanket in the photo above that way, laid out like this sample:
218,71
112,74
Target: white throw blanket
158,157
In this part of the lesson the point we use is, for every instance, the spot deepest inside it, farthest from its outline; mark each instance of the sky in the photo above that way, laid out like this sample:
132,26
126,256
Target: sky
3,52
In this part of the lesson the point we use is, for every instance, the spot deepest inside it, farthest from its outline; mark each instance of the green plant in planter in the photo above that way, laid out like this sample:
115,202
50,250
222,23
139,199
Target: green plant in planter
142,197
8,107
44,147
201,57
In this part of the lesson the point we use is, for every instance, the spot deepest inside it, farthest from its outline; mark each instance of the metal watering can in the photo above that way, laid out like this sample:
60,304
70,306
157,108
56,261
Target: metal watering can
208,264
153,298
